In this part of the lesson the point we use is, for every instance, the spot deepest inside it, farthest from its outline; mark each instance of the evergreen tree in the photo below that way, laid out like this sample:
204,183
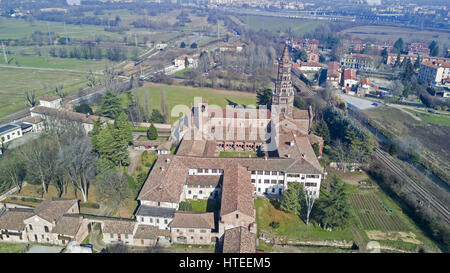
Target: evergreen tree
397,61
293,198
84,108
434,49
417,62
110,106
124,128
264,97
334,207
156,116
152,133
321,129
398,45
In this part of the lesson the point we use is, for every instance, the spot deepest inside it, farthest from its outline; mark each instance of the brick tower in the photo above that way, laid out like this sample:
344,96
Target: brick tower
283,96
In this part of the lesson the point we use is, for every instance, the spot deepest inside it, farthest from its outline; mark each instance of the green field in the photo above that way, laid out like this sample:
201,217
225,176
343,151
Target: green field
56,63
208,205
15,81
184,95
391,33
279,24
20,28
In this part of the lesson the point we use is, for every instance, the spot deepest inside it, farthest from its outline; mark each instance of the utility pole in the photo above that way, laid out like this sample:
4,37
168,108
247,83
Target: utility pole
135,39
4,53
218,30
49,35
65,30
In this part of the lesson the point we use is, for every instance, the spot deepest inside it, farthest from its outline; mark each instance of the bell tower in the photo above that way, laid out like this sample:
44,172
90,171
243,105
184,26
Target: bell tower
283,96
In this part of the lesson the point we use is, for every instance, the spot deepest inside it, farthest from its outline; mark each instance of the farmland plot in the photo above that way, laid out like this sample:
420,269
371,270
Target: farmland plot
366,202
381,221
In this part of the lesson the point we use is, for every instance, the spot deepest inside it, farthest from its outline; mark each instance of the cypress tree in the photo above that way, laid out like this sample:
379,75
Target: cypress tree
152,133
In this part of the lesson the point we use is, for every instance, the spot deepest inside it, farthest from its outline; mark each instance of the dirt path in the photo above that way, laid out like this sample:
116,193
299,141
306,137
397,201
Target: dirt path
135,157
401,108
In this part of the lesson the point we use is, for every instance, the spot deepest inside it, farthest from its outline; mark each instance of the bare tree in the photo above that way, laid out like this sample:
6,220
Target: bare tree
113,188
13,168
31,97
80,163
39,157
165,107
309,201
59,91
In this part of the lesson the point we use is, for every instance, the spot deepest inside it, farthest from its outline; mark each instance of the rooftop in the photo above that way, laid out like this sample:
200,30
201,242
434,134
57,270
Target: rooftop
144,210
239,240
8,128
189,219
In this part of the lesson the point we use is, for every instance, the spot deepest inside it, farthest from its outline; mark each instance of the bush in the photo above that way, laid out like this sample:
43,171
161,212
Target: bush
274,224
185,206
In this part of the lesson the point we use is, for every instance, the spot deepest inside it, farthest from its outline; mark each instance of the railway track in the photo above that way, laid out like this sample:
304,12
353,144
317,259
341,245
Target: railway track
440,208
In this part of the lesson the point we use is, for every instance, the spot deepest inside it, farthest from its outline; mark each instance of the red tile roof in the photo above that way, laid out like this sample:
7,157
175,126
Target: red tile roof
189,219
237,192
239,240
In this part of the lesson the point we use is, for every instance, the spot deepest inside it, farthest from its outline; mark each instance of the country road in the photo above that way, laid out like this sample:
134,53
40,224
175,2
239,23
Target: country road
438,206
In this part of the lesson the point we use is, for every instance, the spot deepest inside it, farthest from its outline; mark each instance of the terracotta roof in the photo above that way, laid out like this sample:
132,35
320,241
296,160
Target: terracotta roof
237,192
33,120
300,114
349,74
189,219
239,240
203,180
69,115
53,209
150,232
333,69
49,98
68,225
169,174
191,147
210,148
13,219
118,226
245,113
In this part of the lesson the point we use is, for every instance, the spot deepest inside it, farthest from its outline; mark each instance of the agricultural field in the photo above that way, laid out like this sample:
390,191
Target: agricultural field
385,33
184,95
429,129
280,25
16,80
20,28
376,216
45,62
380,221
11,248
366,202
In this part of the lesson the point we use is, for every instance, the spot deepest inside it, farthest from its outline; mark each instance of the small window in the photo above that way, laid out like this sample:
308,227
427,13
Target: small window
165,221
31,227
237,216
46,228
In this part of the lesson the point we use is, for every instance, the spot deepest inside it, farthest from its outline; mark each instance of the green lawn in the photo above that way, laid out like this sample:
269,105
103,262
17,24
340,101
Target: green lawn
184,96
291,226
237,154
208,205
16,81
11,248
279,24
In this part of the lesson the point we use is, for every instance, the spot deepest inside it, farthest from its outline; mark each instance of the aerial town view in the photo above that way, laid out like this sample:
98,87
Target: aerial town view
224,126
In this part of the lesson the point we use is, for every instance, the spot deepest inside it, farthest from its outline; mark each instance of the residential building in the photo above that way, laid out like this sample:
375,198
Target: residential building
358,61
334,72
9,132
434,72
192,228
349,78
